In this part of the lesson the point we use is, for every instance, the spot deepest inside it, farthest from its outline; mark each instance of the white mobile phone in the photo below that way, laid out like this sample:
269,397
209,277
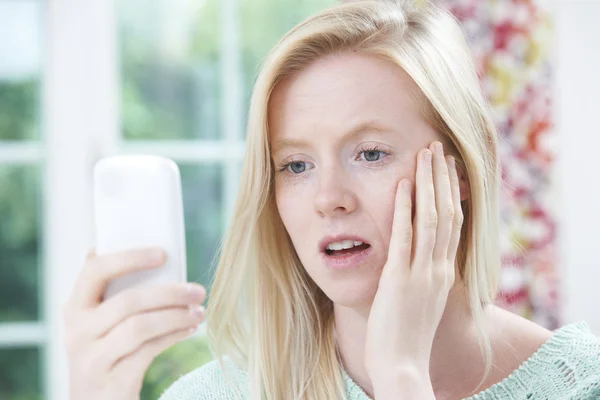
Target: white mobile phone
138,203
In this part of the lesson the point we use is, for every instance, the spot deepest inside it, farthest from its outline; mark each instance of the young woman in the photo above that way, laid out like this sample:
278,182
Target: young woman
363,256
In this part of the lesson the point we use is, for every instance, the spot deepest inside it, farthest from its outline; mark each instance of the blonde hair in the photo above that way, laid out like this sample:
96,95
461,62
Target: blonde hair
265,312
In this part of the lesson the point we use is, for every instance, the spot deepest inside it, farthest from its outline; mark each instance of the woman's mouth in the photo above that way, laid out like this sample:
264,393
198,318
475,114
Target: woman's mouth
346,254
356,248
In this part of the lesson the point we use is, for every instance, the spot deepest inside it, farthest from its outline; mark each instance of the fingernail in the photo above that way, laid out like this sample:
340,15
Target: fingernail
451,162
197,311
438,148
406,185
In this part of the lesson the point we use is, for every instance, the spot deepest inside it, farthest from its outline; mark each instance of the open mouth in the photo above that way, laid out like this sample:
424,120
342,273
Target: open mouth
347,250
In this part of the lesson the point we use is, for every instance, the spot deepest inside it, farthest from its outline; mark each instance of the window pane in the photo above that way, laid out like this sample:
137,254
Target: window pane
170,69
20,374
19,243
263,23
19,69
204,208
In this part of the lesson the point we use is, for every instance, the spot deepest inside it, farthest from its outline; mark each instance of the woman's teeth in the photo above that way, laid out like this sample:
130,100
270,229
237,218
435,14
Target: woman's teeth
344,244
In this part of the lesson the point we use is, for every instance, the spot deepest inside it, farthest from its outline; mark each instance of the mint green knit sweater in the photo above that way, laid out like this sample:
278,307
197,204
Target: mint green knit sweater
567,366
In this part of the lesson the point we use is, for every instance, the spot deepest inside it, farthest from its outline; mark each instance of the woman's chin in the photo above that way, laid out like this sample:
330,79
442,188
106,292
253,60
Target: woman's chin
359,294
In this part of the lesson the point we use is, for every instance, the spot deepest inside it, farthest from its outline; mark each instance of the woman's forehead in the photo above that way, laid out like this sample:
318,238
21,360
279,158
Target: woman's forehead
346,92
357,76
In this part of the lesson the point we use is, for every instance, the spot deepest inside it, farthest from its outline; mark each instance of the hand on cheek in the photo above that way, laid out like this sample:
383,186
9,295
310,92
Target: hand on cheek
419,272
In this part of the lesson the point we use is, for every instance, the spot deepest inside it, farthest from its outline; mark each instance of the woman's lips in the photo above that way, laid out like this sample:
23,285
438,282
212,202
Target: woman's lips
346,259
353,249
326,241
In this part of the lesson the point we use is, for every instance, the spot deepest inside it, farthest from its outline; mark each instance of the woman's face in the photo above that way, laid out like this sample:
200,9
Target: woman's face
343,133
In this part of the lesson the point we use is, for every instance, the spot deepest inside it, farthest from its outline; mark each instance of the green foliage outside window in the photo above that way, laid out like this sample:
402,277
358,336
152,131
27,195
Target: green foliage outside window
19,239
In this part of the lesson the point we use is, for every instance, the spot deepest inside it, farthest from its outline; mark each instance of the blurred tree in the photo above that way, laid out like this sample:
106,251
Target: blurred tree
203,203
19,239
19,109
19,243
170,81
19,196
20,374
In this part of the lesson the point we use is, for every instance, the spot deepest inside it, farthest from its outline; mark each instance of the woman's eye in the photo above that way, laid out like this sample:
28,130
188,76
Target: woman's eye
372,155
297,167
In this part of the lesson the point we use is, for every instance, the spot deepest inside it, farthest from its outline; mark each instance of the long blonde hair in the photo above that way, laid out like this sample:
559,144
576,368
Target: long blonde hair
265,312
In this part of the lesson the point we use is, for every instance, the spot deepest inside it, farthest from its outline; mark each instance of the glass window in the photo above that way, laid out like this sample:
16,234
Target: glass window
20,289
22,381
19,243
169,52
203,205
19,69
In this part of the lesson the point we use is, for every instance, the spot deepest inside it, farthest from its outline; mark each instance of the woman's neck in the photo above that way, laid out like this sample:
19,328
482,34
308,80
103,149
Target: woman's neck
451,353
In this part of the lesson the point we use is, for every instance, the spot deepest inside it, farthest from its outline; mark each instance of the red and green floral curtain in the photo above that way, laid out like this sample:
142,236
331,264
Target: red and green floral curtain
512,42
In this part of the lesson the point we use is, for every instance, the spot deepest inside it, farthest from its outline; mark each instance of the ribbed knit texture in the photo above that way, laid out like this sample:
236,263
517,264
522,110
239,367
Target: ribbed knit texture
567,366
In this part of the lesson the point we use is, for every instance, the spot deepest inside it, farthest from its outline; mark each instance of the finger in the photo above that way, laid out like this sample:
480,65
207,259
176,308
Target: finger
99,270
426,215
444,206
129,336
458,214
141,360
399,252
142,298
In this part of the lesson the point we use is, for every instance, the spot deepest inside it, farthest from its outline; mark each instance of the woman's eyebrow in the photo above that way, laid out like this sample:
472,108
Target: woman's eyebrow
358,130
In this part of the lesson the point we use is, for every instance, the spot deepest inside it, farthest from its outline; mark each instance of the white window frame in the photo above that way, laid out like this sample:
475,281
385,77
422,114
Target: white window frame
81,123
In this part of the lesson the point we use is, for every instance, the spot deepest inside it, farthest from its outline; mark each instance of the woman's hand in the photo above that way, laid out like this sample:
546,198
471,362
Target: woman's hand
110,344
417,277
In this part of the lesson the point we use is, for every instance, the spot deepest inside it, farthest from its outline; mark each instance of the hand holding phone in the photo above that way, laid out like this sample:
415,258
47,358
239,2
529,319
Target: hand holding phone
130,302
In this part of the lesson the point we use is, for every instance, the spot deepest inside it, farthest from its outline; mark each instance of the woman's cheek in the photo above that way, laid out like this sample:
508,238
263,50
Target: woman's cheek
283,205
376,183
290,205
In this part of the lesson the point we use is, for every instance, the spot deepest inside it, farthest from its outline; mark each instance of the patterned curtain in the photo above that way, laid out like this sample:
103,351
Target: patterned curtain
511,41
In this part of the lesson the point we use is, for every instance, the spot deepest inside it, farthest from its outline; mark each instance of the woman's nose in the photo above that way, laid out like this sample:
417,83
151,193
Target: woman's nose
334,194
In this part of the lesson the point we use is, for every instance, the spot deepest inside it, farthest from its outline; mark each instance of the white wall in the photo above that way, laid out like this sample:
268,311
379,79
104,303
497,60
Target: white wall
578,123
